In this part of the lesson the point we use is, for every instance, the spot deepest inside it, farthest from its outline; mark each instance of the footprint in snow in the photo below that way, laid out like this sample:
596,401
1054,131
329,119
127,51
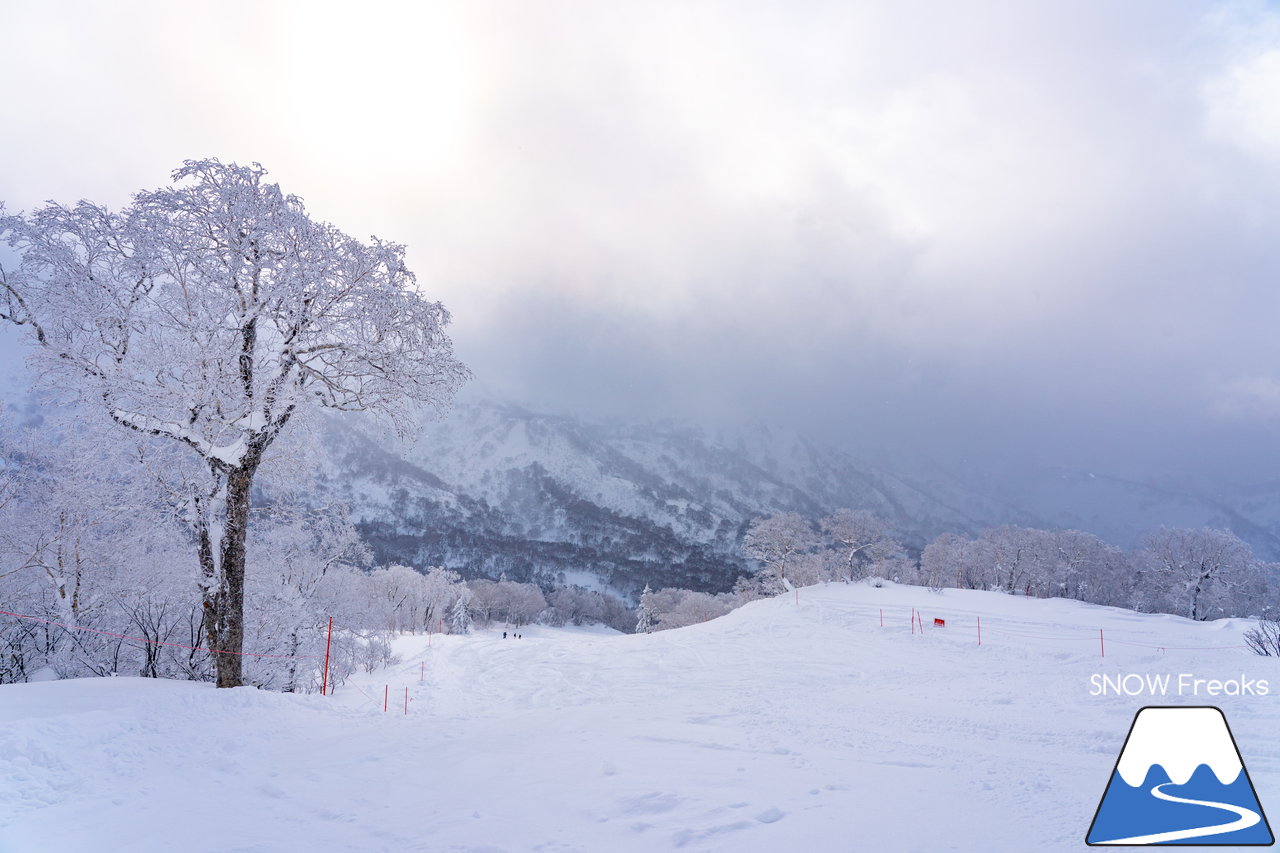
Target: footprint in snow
651,803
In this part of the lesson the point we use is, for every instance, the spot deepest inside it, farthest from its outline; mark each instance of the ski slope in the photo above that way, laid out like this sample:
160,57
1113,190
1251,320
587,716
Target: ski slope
786,725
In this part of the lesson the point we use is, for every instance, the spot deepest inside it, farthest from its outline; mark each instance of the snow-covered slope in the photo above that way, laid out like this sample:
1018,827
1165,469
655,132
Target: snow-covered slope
791,724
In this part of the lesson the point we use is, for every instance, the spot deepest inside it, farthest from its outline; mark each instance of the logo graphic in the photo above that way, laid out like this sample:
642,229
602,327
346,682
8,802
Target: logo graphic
1180,780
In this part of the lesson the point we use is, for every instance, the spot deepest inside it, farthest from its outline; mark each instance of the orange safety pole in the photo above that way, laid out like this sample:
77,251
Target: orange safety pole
324,682
386,691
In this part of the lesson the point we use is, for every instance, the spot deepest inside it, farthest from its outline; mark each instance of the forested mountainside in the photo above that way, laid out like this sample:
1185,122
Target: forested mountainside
497,489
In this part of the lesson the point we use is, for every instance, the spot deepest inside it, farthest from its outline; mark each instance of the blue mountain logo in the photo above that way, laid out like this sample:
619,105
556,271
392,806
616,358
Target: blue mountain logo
1180,780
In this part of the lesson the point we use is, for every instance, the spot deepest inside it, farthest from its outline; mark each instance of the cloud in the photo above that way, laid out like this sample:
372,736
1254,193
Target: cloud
980,226
1247,398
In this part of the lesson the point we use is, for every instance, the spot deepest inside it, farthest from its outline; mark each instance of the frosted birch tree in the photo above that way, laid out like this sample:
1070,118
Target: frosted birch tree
862,537
1193,565
211,315
776,541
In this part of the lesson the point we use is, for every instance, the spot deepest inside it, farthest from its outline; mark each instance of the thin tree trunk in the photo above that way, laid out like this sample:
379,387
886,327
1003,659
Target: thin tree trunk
210,585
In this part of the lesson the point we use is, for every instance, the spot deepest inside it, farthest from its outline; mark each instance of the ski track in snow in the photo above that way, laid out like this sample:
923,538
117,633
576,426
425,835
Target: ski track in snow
778,727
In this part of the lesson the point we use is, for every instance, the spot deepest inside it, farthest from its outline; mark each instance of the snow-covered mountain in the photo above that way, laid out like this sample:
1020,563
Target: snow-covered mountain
500,488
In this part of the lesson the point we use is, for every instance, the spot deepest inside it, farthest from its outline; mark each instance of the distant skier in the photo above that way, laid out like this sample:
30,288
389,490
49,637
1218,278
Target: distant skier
504,635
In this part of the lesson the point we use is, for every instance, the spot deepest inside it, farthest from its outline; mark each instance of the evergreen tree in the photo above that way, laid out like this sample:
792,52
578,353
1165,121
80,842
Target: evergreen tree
644,620
460,617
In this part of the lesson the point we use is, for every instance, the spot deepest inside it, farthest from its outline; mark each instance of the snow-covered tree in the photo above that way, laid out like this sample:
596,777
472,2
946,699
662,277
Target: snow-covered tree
676,608
399,592
1195,565
440,589
1088,569
304,566
523,602
644,613
573,604
212,315
460,618
774,542
862,538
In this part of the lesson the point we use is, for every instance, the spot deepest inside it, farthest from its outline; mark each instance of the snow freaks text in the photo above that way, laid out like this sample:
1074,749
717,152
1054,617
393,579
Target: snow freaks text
1182,684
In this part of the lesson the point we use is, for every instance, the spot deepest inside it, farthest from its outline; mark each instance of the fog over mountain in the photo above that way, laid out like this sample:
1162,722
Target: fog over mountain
996,234
499,489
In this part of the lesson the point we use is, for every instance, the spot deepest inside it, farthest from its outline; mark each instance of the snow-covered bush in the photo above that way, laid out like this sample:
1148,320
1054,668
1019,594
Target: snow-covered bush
375,653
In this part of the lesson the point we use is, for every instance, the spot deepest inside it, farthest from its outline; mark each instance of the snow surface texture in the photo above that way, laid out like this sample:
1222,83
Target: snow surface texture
786,725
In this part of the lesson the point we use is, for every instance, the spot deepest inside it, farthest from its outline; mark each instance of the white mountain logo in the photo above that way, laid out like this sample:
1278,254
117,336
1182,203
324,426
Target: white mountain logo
1180,780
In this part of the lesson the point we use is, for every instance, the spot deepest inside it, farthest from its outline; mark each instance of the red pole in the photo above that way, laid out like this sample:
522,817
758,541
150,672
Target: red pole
422,670
913,621
881,617
979,630
324,682
386,691
406,701
1102,642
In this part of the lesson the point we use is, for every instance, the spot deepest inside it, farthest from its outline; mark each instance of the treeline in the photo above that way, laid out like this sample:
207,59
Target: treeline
1198,573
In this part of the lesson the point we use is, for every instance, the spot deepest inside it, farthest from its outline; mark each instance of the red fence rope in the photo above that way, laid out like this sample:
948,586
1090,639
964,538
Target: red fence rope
1082,638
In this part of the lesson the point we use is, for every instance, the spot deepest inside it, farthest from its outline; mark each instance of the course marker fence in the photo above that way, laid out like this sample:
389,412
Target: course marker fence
918,625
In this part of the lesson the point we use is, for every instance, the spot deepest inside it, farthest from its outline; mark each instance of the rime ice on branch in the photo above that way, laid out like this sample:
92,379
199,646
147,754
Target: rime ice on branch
212,314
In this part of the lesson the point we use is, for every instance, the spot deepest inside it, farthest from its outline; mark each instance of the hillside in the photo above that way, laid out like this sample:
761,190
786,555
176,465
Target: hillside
786,725
497,489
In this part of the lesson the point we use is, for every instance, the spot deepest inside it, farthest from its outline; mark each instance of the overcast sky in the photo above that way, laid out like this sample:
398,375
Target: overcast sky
1046,233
